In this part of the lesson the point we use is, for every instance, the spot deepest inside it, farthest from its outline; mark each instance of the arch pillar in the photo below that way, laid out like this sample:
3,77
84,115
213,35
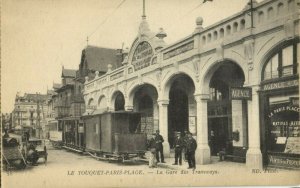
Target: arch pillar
203,150
163,124
128,106
254,156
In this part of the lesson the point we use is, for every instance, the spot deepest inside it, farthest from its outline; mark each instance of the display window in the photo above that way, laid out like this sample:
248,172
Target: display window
279,102
284,124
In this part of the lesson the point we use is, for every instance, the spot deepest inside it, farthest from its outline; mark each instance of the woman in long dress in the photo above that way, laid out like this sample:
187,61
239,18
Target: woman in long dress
152,149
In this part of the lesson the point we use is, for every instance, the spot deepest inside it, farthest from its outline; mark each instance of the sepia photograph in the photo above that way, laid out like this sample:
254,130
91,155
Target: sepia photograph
150,93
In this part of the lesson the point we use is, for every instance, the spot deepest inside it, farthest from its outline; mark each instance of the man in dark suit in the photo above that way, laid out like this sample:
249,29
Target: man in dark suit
178,145
191,146
159,147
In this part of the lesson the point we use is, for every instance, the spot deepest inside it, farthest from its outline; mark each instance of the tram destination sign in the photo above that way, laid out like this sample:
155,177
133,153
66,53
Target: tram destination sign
240,93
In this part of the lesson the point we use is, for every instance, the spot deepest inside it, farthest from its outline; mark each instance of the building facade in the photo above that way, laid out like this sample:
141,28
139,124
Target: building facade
30,112
6,121
234,85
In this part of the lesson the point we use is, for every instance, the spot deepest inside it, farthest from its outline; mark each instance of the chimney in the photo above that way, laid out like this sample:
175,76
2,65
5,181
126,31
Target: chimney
119,56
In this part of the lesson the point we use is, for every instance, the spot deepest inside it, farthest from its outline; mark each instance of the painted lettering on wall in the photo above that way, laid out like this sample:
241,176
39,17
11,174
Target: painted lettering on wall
142,56
284,161
283,109
179,50
280,85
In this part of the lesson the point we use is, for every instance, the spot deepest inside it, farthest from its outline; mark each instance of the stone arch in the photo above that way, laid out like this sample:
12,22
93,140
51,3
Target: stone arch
134,88
270,13
261,17
102,102
211,66
268,51
221,32
91,101
235,27
242,24
179,90
113,99
280,8
167,82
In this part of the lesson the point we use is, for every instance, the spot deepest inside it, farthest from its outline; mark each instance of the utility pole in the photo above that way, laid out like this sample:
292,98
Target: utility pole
251,11
38,120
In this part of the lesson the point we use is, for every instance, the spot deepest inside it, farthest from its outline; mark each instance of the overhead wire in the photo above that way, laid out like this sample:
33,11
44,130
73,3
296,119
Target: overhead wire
94,31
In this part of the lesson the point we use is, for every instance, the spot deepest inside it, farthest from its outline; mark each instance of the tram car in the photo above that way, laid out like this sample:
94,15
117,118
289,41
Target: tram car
114,136
73,135
55,134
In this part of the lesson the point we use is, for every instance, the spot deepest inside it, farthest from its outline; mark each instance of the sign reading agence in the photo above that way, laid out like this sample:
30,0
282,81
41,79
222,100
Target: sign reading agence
240,93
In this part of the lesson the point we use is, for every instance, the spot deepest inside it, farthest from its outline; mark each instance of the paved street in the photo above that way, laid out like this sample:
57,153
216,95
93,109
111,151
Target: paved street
68,169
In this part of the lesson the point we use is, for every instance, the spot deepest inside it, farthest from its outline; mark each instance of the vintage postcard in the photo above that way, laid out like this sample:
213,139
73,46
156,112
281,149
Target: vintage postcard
140,93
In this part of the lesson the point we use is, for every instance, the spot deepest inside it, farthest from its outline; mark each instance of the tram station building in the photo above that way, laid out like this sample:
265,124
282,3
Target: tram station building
234,85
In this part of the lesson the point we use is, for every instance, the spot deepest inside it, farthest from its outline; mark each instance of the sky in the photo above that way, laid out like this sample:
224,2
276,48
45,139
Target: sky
38,37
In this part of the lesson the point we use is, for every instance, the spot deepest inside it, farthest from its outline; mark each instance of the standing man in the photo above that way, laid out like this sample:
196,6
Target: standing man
159,147
185,139
191,148
178,145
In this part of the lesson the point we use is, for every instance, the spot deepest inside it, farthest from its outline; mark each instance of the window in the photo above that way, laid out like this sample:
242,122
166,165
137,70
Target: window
283,63
215,95
271,70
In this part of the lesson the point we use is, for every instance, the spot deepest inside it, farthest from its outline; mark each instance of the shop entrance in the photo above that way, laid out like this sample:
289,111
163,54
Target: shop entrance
181,106
218,129
177,113
222,111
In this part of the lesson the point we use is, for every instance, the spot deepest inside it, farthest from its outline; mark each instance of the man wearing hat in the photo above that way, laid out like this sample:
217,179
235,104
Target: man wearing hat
178,145
159,147
185,139
191,146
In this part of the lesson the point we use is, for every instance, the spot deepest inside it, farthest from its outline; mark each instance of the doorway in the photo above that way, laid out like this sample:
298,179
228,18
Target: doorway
177,114
218,134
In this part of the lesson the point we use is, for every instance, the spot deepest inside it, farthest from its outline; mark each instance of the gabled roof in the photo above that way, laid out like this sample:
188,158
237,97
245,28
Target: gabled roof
68,73
34,97
97,58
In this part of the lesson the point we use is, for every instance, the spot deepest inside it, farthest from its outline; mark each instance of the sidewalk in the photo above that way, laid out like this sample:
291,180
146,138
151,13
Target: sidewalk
220,166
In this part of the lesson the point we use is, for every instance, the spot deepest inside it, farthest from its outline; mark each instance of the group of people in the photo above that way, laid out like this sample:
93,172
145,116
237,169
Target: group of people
186,145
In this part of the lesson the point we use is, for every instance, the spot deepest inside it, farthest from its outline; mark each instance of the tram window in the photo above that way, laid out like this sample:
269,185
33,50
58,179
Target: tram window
97,128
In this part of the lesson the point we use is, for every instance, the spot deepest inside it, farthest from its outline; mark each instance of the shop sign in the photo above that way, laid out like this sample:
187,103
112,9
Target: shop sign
284,161
180,50
281,85
241,93
142,56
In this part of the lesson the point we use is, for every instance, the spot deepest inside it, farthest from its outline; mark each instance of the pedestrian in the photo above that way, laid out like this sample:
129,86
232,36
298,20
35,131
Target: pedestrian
191,147
152,149
185,139
6,135
178,145
159,147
